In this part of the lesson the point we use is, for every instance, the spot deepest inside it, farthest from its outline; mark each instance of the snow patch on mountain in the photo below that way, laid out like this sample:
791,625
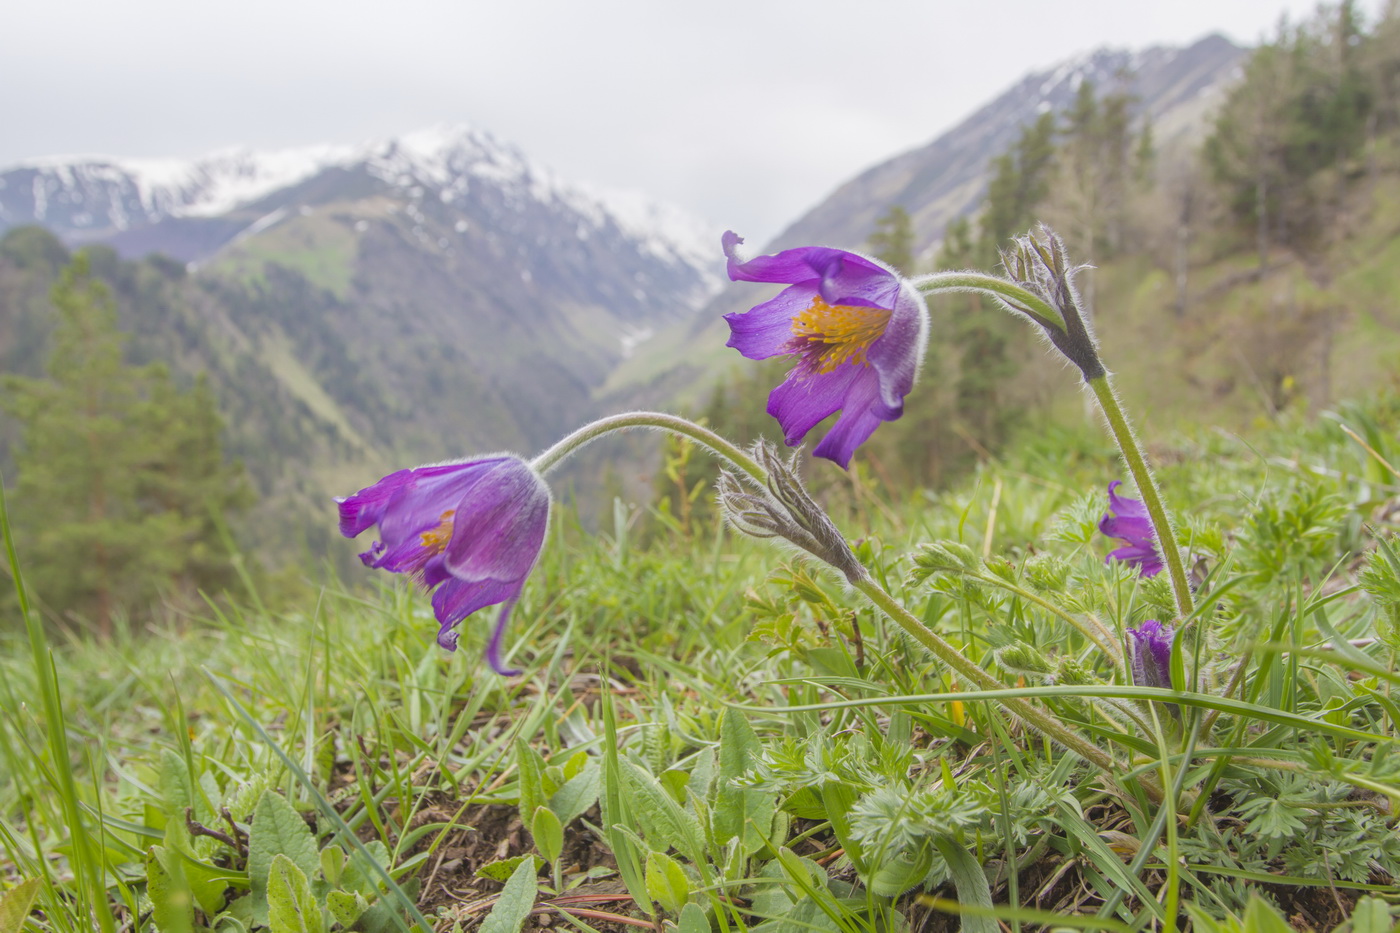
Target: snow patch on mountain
95,193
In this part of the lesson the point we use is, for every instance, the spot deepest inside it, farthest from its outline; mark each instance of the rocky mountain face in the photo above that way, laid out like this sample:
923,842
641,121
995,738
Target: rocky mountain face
1173,88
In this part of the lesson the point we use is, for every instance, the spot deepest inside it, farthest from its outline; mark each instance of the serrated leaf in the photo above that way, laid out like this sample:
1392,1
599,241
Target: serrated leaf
291,907
516,901
16,905
666,882
172,902
548,833
346,906
277,830
578,793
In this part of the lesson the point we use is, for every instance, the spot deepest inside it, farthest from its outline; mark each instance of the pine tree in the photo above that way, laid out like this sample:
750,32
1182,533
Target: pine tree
893,240
121,483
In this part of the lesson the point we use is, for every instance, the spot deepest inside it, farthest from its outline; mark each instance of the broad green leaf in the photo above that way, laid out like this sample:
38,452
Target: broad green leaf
356,875
693,920
970,882
665,823
530,766
741,812
516,901
666,882
837,799
207,882
1371,915
578,793
1260,917
346,906
172,902
291,907
332,864
278,829
548,833
502,870
16,905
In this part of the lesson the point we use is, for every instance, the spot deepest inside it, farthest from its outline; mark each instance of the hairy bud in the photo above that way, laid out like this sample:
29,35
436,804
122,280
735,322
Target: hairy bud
1037,262
783,509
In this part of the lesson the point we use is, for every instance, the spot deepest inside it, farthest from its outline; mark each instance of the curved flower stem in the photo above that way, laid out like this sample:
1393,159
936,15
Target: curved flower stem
997,287
1147,487
649,419
1040,719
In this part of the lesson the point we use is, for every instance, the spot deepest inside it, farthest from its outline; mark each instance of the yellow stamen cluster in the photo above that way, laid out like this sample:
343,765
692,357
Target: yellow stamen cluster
829,336
435,539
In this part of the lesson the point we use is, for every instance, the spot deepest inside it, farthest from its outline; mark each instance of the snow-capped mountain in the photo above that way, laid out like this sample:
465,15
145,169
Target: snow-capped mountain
131,203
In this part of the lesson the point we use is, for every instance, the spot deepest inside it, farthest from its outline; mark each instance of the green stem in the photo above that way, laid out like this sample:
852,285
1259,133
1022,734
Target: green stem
1042,720
1027,301
649,419
1147,487
1112,651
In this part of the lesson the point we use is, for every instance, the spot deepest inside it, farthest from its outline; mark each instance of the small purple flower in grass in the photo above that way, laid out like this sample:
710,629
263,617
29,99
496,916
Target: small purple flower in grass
856,329
470,532
1128,521
1150,654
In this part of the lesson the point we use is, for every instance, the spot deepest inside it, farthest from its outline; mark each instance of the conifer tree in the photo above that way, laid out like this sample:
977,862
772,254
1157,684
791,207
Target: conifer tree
122,483
893,240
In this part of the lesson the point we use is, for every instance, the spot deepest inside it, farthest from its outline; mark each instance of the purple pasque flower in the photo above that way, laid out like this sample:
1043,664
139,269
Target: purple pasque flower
855,328
1150,654
1128,521
469,531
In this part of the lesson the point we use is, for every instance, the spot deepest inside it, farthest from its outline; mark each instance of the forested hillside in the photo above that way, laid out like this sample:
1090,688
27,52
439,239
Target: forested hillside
1252,272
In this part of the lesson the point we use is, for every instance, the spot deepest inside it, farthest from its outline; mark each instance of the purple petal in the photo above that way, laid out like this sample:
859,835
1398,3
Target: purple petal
861,414
765,330
457,599
493,649
802,402
842,277
1128,522
471,532
899,351
500,526
1150,654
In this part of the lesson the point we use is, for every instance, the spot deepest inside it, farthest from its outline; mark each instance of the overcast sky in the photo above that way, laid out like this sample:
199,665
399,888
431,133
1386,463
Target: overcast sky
744,111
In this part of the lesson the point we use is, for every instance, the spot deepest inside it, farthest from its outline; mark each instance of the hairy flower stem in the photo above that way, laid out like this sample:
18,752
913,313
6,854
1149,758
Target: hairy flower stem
1147,487
1038,718
1021,299
649,419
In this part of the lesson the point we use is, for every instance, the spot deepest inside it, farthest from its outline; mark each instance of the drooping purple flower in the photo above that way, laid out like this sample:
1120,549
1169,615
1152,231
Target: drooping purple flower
855,328
1128,521
1150,654
469,531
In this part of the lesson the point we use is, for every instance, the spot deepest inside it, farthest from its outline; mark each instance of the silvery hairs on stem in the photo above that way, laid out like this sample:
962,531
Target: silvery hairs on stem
783,509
